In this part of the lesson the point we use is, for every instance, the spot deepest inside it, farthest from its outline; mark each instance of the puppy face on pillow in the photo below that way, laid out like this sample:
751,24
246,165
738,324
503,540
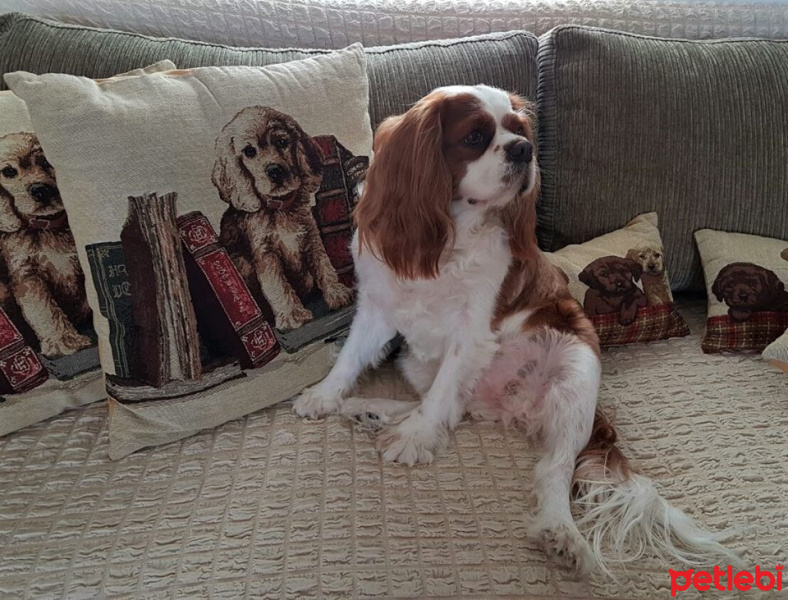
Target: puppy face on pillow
27,180
264,158
650,259
747,288
612,275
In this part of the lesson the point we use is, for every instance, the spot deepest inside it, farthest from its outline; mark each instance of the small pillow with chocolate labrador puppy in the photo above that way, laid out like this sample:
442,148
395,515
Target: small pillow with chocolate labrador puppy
747,282
620,279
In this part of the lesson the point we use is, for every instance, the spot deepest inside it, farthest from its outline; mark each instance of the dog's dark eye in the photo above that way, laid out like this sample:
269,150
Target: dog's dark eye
657,255
281,143
250,152
520,131
474,138
8,172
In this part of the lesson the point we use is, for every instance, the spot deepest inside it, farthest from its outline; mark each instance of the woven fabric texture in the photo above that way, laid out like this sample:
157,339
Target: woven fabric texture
692,130
337,23
398,75
272,507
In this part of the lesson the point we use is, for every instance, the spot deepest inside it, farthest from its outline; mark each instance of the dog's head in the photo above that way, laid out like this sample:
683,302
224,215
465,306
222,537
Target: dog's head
612,275
28,189
461,152
650,259
746,286
265,160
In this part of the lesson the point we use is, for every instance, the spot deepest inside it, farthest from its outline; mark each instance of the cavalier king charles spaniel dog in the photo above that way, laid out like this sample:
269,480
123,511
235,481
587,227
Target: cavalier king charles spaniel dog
446,256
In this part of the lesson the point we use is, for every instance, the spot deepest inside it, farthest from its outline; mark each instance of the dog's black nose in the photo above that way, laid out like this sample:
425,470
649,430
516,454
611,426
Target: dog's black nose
276,173
520,152
743,295
43,193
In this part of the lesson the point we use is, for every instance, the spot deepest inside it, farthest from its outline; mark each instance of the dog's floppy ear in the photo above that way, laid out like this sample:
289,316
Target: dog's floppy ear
588,276
9,220
310,159
633,254
234,183
719,284
773,286
635,267
403,215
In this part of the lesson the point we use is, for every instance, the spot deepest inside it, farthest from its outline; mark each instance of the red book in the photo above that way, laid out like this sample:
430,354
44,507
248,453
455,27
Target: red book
335,200
20,368
226,309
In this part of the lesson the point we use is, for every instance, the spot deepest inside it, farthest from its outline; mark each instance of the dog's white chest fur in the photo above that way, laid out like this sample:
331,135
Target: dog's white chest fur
427,311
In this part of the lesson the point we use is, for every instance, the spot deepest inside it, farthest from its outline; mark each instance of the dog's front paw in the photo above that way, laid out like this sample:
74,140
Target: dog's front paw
293,320
315,404
566,544
338,296
412,441
68,343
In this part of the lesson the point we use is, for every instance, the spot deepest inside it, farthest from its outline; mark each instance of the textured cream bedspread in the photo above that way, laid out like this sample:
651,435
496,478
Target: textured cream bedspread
271,507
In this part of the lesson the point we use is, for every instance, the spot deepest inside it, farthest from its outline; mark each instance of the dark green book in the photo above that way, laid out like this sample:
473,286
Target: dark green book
108,268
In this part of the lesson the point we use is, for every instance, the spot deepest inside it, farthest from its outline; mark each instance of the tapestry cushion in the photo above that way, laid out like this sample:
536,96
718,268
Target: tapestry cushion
621,279
746,280
48,354
211,210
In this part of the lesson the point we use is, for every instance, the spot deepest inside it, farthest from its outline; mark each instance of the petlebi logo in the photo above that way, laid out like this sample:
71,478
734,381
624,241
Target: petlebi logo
726,580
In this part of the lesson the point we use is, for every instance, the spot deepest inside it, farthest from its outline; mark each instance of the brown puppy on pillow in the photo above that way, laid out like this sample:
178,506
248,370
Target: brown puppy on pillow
611,281
266,169
748,288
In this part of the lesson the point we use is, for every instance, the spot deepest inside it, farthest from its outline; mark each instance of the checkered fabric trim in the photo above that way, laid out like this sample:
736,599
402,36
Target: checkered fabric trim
653,323
757,332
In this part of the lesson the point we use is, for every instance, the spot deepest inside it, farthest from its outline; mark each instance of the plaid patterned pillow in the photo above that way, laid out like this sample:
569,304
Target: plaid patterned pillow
746,278
621,281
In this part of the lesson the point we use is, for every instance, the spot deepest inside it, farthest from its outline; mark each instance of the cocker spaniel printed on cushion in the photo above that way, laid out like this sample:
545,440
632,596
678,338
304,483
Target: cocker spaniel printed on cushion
266,169
653,278
38,249
748,288
611,282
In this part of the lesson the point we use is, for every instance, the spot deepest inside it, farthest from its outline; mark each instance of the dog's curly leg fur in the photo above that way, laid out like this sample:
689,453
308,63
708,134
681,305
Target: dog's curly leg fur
288,309
335,294
57,334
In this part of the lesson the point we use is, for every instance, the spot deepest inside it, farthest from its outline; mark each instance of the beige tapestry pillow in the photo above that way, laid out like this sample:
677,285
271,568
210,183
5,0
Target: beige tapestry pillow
211,208
48,355
746,280
621,281
777,352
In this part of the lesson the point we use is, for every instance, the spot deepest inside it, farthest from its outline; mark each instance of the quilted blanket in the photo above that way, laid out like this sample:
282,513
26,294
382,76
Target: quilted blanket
337,23
273,507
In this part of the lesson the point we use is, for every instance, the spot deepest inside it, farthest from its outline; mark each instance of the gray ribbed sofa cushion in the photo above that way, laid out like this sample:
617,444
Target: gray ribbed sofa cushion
696,131
399,75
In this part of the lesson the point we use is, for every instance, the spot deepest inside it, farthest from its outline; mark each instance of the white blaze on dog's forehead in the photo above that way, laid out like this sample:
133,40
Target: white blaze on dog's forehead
495,101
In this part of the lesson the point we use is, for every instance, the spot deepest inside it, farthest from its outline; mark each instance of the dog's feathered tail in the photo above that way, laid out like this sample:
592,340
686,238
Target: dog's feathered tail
623,517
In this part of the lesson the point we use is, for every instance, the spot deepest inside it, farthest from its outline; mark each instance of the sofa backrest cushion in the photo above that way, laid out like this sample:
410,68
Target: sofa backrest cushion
399,75
695,131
